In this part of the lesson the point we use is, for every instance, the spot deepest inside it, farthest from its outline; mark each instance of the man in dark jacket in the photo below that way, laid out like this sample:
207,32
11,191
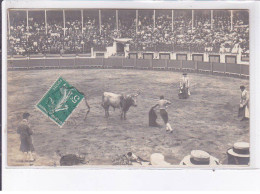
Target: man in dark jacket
25,133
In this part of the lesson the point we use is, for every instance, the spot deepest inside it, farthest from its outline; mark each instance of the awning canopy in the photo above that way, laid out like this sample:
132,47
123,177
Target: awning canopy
123,40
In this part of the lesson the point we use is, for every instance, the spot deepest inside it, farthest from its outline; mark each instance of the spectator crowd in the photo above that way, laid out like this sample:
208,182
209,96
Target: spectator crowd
161,32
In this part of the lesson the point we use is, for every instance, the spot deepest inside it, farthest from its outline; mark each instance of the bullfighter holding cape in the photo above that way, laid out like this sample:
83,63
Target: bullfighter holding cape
162,104
184,91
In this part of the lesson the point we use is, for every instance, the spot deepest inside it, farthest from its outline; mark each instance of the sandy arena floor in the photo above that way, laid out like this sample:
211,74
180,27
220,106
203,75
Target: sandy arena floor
207,120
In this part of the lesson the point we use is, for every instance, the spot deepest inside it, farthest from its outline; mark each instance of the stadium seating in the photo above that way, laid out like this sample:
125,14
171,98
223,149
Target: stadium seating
165,35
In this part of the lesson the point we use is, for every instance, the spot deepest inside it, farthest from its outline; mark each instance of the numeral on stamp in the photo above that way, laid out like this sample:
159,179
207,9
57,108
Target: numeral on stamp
60,101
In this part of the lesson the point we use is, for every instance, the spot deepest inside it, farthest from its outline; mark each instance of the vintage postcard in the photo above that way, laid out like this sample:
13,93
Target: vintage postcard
128,87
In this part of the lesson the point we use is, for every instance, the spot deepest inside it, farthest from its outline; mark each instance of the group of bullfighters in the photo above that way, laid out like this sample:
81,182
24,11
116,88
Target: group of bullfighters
184,93
124,102
162,104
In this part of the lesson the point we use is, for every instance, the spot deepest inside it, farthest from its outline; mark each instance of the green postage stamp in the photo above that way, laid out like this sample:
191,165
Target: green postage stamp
60,101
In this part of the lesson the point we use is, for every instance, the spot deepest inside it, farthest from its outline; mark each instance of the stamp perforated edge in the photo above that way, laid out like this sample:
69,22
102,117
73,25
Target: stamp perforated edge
51,117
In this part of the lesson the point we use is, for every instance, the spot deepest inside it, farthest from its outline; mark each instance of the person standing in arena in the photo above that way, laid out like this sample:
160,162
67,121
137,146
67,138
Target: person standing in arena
25,132
244,103
185,83
163,104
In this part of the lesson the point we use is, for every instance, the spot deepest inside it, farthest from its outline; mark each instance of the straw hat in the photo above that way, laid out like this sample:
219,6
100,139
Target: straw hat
240,149
157,159
199,157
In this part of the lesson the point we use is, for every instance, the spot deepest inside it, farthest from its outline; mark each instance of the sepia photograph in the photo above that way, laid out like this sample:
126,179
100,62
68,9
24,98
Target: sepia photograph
128,87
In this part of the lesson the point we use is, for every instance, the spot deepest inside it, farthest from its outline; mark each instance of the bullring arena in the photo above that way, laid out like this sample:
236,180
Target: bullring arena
126,51
207,120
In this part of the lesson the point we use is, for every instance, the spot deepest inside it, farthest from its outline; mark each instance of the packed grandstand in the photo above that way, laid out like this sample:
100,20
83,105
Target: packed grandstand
77,31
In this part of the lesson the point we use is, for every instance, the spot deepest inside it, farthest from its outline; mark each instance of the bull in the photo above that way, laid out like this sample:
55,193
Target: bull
123,102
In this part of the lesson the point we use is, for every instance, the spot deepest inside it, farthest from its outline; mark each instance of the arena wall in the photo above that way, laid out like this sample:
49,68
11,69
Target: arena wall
190,56
228,69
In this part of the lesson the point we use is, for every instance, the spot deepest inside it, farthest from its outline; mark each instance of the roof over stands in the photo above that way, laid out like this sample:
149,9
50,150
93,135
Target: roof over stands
123,40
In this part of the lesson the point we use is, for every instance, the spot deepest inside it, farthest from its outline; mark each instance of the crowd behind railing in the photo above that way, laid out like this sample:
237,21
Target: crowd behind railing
200,35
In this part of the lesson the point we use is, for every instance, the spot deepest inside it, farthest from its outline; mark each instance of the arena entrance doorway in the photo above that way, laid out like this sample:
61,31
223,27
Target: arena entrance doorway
181,57
148,55
164,56
120,45
132,55
197,57
214,58
231,59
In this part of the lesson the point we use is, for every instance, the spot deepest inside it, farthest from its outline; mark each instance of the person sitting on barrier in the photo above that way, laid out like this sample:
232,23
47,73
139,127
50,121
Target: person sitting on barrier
184,86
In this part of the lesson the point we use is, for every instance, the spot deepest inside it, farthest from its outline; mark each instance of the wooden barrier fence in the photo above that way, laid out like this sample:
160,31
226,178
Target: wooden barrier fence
238,70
